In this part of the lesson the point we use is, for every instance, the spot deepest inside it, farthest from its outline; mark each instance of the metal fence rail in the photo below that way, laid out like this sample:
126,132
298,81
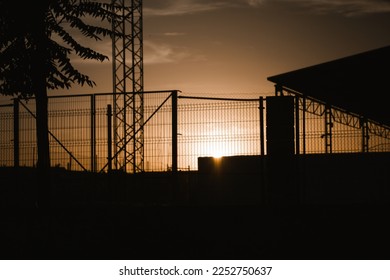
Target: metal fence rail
328,129
178,129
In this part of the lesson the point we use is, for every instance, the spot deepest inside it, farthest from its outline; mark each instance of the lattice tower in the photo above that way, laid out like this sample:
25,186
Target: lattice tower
128,87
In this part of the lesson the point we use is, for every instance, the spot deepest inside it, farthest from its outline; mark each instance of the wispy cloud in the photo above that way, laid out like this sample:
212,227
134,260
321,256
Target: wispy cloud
181,7
255,3
174,34
346,7
184,7
159,53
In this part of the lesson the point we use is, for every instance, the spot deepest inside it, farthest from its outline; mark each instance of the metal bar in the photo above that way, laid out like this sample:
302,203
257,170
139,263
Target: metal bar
109,138
304,125
261,107
278,90
103,93
174,131
365,135
328,129
93,133
16,132
297,152
217,98
174,148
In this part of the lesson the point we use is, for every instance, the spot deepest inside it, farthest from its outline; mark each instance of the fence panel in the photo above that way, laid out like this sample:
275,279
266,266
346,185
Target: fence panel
7,135
347,134
80,131
217,127
158,132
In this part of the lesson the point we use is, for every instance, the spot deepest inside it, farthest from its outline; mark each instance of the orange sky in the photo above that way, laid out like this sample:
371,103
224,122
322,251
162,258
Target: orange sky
232,46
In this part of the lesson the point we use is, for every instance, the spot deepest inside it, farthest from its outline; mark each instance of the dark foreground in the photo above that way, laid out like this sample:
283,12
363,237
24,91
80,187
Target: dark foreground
118,229
195,233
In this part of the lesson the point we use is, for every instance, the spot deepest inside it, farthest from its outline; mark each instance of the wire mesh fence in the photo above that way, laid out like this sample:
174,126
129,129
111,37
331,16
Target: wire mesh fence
83,135
344,132
6,135
217,127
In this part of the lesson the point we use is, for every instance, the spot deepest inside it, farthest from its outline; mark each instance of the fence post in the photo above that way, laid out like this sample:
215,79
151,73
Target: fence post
261,107
174,131
109,138
304,125
365,134
16,132
175,183
328,129
297,143
93,134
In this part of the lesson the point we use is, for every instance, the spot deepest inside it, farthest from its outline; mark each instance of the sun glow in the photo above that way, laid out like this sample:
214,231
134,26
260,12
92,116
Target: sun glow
215,150
217,154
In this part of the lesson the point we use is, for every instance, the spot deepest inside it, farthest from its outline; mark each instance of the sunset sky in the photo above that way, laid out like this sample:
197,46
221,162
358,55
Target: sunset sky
232,46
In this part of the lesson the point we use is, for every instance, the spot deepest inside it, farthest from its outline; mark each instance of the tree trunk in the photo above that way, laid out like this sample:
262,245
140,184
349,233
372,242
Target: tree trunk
43,184
39,74
42,129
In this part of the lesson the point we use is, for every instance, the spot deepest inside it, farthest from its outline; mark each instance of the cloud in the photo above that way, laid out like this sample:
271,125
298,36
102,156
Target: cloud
255,3
160,53
184,7
181,7
346,7
174,34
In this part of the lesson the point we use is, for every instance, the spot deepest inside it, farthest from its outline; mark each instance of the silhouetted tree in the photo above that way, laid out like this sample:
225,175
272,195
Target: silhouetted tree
36,43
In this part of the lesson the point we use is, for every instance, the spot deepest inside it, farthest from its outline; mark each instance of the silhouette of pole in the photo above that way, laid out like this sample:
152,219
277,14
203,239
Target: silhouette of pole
174,131
261,107
93,133
297,143
109,138
304,125
328,129
16,132
175,183
365,134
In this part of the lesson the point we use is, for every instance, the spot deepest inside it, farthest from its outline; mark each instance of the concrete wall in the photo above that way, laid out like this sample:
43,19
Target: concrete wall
303,179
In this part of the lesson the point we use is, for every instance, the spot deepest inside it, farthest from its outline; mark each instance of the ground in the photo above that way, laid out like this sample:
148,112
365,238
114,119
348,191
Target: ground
99,222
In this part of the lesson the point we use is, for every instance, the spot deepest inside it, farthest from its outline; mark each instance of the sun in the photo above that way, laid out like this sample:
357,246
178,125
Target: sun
215,150
217,154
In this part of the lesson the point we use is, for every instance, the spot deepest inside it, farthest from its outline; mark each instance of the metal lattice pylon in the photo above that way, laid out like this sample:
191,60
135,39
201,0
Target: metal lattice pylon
128,86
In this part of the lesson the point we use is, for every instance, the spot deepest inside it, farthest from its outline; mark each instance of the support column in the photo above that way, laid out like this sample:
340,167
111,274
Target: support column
16,132
328,129
278,90
174,131
365,134
93,133
297,142
176,192
304,125
261,107
109,138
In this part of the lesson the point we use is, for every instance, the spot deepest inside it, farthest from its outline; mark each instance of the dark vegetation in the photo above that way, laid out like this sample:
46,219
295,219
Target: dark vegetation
35,52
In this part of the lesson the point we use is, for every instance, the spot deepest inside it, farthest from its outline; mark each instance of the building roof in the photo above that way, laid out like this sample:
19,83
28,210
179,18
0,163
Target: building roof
356,83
